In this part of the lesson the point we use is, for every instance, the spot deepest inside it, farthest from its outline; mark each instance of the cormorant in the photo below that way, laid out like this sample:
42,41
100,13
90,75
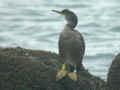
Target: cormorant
71,46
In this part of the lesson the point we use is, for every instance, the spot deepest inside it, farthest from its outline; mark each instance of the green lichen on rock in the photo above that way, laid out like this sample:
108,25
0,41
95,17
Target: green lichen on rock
24,69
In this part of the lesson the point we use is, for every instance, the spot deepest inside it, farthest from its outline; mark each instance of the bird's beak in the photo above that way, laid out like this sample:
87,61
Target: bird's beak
59,12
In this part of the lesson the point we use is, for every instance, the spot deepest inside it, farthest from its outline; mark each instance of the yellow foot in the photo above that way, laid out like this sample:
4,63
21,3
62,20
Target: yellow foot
73,76
61,73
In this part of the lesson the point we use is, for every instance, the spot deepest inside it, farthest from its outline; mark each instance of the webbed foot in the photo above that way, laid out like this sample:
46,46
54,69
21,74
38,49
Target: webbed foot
62,73
73,75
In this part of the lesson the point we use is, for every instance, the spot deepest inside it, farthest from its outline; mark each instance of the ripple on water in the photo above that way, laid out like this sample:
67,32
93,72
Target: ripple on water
115,29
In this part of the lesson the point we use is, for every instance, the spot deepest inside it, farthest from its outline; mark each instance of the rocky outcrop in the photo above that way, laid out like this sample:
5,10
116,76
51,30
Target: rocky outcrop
24,69
113,79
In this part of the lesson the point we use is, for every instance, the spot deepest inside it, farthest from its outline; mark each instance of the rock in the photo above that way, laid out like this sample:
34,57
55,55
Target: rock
24,69
113,80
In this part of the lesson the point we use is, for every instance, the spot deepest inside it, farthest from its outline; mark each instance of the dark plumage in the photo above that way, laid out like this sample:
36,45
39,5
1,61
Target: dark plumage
71,47
71,42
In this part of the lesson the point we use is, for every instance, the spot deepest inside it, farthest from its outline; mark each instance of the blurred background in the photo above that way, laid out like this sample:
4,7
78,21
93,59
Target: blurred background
31,24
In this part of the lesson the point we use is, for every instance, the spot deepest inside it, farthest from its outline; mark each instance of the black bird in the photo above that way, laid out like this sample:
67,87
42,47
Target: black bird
71,46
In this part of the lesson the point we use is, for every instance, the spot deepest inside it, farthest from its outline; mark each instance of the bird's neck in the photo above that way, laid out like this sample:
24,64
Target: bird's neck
68,28
71,24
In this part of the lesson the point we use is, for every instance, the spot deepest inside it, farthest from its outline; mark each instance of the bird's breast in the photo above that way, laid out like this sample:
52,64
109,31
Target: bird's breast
70,35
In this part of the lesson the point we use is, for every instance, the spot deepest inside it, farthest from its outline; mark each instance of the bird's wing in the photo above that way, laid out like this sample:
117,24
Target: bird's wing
72,45
78,48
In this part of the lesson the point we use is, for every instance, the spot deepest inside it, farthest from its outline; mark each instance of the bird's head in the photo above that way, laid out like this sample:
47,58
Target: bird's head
69,16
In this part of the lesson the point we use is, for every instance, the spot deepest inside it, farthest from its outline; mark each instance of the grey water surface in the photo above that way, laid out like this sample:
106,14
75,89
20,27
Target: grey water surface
32,24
